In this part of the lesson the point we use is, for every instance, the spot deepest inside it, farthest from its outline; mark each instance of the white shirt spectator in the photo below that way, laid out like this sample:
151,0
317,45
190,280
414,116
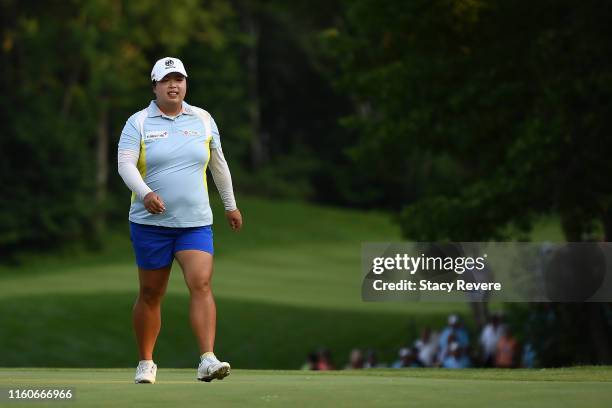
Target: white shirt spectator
427,350
488,339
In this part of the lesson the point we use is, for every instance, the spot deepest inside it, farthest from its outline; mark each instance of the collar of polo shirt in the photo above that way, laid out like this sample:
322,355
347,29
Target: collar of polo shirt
153,110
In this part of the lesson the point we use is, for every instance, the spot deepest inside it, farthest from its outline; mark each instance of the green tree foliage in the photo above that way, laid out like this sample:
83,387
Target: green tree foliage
44,176
296,147
75,71
475,114
83,68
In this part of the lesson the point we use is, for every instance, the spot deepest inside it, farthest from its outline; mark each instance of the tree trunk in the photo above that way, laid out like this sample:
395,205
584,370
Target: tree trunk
601,338
597,320
259,149
606,220
99,220
70,89
599,335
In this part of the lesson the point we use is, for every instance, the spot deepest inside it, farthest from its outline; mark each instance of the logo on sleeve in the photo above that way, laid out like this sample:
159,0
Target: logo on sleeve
155,135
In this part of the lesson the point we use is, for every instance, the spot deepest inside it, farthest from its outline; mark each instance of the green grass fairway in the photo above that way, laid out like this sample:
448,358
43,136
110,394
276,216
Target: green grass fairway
289,283
570,387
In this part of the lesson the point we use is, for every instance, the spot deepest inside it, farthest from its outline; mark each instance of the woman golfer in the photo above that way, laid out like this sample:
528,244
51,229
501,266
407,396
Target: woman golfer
163,154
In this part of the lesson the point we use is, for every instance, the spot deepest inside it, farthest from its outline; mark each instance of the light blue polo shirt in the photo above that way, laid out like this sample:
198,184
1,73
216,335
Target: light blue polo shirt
173,156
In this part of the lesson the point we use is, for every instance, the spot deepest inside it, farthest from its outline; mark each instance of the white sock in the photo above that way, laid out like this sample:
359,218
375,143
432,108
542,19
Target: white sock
208,354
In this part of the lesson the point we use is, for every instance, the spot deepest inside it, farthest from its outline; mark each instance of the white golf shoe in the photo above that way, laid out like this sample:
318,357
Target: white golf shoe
211,368
145,372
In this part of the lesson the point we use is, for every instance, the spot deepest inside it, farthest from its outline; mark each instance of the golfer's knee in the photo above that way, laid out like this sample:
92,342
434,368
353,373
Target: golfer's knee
201,287
151,295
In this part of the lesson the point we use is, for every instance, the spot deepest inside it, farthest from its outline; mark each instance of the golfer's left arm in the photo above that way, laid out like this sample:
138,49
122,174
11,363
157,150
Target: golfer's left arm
223,180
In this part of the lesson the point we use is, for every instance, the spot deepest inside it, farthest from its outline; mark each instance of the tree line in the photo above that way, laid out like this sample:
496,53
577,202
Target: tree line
449,113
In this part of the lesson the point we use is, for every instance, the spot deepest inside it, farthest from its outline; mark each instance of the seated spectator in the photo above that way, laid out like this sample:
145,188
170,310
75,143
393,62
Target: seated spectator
324,362
457,331
407,358
371,360
506,355
488,340
355,360
456,358
528,359
311,362
427,347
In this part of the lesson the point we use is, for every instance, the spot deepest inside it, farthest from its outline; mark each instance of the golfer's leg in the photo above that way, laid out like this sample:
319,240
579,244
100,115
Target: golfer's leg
197,269
147,309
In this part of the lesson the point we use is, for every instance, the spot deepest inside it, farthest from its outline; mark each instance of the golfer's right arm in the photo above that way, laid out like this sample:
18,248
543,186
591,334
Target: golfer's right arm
126,165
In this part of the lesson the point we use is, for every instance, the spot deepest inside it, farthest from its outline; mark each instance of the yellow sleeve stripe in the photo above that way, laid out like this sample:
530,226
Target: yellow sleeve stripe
207,143
142,163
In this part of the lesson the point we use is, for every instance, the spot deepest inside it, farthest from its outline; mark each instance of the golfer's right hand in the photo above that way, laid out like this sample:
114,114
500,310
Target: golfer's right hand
154,204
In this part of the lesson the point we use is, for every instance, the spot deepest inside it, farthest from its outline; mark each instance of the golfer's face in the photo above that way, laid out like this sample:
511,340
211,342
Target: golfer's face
171,89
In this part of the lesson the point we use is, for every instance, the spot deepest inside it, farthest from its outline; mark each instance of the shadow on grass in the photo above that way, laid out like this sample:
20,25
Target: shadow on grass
96,331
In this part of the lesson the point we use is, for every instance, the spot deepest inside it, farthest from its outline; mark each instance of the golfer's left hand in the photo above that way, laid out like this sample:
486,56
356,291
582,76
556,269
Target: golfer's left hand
235,219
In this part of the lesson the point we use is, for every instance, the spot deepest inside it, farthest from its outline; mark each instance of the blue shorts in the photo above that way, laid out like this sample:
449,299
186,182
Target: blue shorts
155,246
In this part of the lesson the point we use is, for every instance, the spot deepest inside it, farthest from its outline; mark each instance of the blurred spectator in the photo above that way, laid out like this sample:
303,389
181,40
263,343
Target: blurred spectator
489,337
528,357
458,333
479,299
355,360
444,352
372,360
507,350
324,361
456,358
427,347
311,362
407,358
